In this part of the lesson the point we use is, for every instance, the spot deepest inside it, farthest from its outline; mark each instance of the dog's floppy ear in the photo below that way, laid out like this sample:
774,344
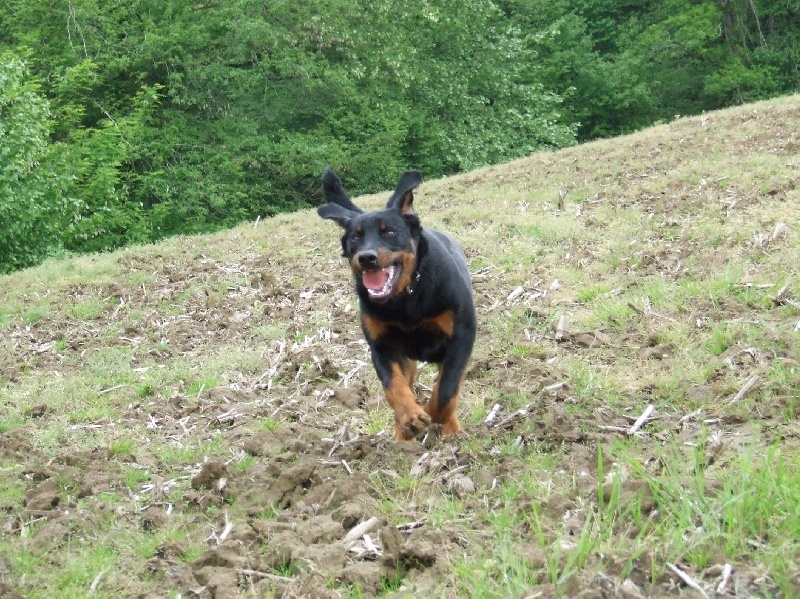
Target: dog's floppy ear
402,199
340,208
334,192
337,213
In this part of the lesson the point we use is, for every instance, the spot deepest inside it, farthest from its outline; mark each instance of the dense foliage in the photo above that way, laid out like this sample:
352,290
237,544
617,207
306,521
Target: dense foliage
124,122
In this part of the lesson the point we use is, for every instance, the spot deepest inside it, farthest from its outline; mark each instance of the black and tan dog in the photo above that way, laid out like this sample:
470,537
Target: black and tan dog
415,294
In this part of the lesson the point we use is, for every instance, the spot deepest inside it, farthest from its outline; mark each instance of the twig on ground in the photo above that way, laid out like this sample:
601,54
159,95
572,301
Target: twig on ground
691,416
641,420
515,294
613,429
782,298
554,387
636,309
111,389
780,229
96,582
727,570
259,574
562,323
492,414
518,415
688,580
360,530
371,547
219,539
746,389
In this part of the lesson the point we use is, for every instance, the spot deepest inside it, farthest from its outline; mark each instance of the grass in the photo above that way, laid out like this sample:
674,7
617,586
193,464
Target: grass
154,361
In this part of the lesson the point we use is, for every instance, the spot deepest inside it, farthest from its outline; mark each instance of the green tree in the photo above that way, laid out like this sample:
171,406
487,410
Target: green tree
178,117
33,208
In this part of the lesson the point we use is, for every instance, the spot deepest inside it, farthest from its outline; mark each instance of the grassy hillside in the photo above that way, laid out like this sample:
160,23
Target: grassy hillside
200,417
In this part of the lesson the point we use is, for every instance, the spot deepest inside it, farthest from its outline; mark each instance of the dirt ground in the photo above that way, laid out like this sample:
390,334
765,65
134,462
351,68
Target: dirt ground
280,478
316,477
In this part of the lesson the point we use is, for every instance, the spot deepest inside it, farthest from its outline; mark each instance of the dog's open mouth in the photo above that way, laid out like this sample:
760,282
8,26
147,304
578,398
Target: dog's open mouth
380,282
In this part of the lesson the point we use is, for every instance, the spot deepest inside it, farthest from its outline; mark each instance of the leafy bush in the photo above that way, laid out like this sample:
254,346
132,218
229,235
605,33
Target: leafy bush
33,208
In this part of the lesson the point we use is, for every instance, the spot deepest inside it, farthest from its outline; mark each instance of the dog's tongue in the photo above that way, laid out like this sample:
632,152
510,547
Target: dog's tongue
375,279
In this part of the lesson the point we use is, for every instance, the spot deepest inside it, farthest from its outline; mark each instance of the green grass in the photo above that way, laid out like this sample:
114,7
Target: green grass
207,355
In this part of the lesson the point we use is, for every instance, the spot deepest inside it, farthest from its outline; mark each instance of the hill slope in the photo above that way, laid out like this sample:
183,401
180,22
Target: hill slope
201,416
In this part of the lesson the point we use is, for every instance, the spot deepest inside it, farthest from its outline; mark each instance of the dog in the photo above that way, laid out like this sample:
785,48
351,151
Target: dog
415,296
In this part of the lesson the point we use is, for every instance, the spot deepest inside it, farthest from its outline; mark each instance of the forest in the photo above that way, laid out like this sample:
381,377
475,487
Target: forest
127,122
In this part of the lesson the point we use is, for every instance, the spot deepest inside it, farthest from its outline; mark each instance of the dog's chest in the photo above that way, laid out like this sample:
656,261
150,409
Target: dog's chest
420,340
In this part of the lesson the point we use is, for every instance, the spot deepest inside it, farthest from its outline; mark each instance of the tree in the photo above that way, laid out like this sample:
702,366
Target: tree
182,118
33,209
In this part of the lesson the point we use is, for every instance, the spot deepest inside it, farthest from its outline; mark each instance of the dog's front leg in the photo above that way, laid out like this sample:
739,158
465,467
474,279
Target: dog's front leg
444,399
397,376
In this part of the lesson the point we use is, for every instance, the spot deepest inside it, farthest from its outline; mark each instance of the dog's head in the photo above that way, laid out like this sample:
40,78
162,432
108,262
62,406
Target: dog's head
381,246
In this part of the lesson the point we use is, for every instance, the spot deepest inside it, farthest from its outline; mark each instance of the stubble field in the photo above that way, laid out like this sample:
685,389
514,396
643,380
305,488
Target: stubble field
200,418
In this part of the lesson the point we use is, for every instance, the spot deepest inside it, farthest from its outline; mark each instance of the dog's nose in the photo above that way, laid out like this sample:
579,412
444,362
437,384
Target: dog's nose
368,258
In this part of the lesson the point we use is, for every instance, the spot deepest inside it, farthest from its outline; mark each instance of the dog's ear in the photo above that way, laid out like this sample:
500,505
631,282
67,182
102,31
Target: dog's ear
335,194
402,199
337,213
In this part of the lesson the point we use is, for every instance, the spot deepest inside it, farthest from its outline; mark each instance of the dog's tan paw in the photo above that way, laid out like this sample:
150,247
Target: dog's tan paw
411,425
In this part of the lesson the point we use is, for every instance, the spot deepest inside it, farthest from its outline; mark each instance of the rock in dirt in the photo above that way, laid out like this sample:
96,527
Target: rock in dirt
315,586
657,352
43,497
38,411
350,398
262,444
289,480
630,491
8,592
222,583
461,485
323,529
153,518
418,552
212,476
367,575
50,536
325,558
391,542
352,513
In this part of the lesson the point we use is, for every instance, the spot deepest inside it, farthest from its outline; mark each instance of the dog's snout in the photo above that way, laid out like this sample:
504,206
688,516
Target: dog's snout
368,258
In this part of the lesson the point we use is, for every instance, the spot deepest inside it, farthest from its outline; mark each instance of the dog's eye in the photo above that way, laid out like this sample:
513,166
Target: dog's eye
389,233
355,237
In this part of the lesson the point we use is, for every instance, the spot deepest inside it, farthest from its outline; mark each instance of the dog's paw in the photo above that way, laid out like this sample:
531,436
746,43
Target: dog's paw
411,424
451,427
